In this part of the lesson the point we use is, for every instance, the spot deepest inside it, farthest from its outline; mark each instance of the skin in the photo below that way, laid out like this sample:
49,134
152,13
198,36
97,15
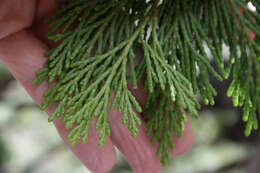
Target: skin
22,44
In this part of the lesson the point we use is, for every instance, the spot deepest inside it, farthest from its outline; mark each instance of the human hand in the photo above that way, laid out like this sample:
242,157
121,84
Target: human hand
22,44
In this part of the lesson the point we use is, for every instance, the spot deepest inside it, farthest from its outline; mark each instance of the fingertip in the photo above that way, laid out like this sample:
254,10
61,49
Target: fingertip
185,142
96,159
139,151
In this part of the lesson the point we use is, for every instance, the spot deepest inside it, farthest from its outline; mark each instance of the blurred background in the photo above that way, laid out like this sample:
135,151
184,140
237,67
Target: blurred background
29,144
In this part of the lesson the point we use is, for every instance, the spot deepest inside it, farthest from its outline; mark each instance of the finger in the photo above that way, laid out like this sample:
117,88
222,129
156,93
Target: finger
45,8
22,54
139,151
181,144
40,28
185,142
15,15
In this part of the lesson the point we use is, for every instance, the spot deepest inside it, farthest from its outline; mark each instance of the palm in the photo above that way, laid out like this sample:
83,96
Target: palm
22,44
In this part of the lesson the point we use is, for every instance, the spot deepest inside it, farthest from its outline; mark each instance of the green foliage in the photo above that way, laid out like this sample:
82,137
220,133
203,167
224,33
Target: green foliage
99,39
5,155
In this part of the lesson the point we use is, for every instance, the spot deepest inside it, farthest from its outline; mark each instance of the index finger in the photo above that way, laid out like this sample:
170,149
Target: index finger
22,54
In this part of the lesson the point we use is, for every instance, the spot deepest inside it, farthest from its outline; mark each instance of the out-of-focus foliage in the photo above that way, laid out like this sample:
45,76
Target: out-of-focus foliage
4,152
